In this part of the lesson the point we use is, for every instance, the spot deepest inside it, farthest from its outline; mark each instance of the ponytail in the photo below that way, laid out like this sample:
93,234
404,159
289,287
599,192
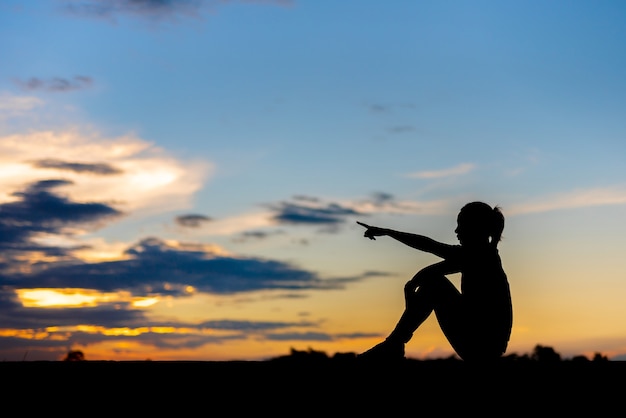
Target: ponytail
497,226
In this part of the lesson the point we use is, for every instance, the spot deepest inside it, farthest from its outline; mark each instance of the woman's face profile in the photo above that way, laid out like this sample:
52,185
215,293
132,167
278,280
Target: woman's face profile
466,231
460,231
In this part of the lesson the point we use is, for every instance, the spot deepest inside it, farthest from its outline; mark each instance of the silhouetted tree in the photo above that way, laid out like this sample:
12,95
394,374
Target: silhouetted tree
516,357
540,353
545,354
600,357
304,356
74,355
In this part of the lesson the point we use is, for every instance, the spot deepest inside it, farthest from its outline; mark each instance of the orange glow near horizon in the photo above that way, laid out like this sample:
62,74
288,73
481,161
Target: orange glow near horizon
77,298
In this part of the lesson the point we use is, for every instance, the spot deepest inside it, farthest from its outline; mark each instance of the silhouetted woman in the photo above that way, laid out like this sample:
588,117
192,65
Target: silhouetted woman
477,319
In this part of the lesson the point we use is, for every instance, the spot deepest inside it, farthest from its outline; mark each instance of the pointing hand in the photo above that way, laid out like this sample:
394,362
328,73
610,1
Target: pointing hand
372,231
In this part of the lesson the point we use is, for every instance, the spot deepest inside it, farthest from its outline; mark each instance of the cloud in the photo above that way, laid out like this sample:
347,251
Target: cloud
144,8
50,333
17,106
602,196
299,211
15,316
306,210
151,9
154,267
38,211
56,84
256,235
300,336
251,326
192,220
385,203
47,203
384,108
93,168
326,215
460,169
126,170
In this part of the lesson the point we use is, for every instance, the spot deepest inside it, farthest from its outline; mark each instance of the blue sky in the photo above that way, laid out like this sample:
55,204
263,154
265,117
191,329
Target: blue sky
181,179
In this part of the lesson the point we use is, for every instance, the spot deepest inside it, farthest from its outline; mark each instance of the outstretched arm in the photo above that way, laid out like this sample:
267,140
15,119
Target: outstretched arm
419,242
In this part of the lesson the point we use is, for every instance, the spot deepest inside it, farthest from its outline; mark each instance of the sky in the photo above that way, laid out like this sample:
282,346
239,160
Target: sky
181,180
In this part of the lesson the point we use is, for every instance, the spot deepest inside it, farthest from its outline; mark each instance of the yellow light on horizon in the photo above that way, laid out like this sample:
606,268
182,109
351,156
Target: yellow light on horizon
144,302
42,298
74,298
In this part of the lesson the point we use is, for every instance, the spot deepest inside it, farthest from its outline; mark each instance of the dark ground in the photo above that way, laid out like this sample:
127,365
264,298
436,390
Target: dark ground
323,387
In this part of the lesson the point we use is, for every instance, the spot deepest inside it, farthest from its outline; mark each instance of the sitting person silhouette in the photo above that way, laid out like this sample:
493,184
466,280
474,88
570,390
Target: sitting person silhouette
477,319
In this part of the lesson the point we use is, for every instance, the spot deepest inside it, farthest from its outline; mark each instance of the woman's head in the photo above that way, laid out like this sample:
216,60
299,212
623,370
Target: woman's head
478,222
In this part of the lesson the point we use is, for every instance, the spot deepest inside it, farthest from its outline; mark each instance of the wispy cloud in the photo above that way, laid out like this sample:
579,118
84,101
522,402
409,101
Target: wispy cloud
56,84
306,210
77,167
300,336
145,8
192,220
601,196
151,9
326,215
15,106
446,172
385,203
387,107
246,236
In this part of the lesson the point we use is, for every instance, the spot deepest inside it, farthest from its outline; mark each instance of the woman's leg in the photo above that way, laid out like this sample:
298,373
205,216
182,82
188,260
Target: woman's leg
435,293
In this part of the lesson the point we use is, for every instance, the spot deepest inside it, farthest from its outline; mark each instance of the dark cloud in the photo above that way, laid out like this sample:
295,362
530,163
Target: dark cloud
192,220
251,326
238,330
316,336
300,336
384,108
387,202
158,269
38,210
90,168
56,84
305,198
256,235
182,341
154,9
382,197
357,335
151,8
301,211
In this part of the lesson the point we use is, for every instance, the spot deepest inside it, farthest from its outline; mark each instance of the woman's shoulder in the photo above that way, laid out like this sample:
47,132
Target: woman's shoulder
479,252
